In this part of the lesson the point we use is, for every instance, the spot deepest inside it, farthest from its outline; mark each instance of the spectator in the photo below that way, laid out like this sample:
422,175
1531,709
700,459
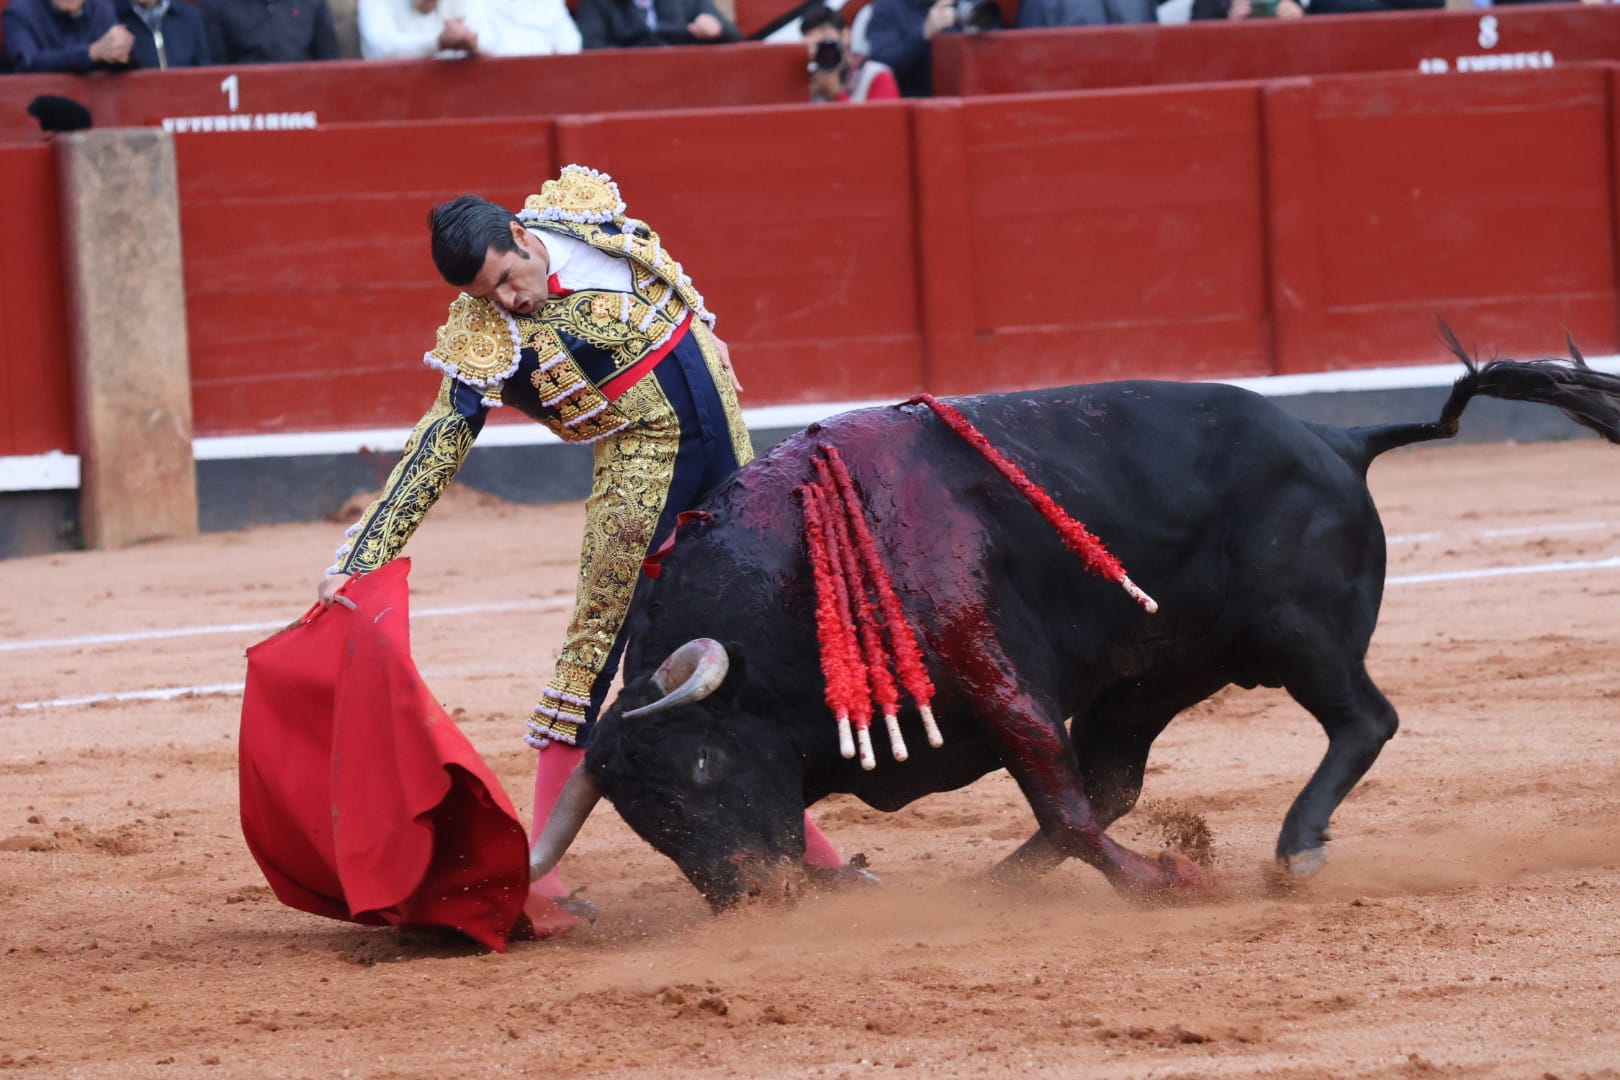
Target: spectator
269,31
412,29
531,28
1034,14
405,29
62,35
167,33
836,72
1246,9
629,24
1356,7
899,34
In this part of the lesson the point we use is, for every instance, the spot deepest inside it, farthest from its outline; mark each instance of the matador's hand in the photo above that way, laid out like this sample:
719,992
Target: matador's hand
330,584
725,361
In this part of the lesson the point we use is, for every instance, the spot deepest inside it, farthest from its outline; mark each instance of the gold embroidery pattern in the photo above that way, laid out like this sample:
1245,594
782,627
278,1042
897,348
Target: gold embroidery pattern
741,444
643,248
433,454
629,488
578,194
626,326
478,344
582,411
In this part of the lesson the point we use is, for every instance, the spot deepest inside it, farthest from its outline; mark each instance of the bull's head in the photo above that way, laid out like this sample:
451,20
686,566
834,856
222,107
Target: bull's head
718,791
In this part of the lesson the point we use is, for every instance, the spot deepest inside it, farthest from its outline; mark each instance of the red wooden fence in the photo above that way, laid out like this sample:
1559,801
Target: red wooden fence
36,407
310,293
953,245
1090,58
362,91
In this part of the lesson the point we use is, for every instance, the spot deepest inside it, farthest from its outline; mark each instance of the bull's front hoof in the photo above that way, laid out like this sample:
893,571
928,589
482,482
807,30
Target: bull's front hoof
1304,864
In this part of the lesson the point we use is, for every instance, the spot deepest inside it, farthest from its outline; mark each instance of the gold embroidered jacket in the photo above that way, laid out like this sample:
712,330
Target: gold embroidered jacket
553,366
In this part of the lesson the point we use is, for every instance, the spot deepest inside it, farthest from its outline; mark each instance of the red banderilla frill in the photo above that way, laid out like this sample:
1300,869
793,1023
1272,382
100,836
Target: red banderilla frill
833,628
848,573
907,656
1076,537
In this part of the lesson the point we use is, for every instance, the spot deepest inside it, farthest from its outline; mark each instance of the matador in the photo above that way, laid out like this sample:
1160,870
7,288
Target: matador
576,315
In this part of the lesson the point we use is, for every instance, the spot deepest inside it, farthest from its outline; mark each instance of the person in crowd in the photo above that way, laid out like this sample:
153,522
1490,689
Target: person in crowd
408,29
836,72
1035,14
167,33
531,28
630,24
1246,9
269,31
899,32
413,29
75,36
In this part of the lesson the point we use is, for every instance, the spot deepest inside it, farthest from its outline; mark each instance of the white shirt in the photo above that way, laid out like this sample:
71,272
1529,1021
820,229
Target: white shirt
395,30
576,265
529,28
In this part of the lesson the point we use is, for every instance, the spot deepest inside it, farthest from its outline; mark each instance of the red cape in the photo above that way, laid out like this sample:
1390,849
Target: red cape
361,800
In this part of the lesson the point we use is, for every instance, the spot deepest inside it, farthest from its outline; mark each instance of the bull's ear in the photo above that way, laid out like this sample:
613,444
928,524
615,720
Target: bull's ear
736,674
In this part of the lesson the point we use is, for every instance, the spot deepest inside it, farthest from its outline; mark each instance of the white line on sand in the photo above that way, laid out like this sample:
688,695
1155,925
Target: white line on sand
1504,571
550,604
1497,534
171,692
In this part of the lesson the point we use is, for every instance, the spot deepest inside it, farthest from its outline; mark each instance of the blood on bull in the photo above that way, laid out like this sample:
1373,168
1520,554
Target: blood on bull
1254,531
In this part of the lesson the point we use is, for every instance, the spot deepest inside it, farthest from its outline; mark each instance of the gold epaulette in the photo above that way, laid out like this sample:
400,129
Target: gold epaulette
583,196
479,345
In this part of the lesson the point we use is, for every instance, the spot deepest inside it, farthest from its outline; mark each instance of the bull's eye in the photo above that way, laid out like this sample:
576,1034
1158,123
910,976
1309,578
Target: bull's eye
702,773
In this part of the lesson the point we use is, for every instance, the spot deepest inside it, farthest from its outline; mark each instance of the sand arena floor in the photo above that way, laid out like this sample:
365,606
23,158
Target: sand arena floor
1468,924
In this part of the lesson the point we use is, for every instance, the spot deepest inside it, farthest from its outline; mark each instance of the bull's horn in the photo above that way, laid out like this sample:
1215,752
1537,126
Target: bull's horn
692,673
574,805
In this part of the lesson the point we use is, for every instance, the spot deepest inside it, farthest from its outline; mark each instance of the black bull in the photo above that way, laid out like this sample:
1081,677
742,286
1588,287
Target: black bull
1254,531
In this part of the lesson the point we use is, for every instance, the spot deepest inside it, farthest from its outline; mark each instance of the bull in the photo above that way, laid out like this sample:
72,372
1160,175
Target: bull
1255,531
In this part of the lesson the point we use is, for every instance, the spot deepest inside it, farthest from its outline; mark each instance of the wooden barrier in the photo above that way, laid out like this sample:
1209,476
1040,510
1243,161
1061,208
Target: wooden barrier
1107,236
953,245
1488,200
357,91
310,291
796,223
36,403
1088,58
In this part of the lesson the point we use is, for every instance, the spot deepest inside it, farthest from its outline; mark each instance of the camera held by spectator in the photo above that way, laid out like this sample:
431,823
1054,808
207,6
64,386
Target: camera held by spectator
837,73
975,15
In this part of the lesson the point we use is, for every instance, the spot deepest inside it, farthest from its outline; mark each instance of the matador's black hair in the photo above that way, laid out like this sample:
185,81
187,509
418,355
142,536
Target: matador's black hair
465,230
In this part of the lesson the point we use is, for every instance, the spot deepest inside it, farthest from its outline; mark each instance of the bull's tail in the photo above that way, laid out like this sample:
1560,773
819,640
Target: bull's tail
1590,398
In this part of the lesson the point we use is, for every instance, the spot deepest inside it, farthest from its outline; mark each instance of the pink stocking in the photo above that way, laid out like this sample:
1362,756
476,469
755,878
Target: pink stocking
557,762
818,850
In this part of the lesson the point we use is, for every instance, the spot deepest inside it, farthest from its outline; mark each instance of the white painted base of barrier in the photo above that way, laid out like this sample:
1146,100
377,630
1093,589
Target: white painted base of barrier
57,471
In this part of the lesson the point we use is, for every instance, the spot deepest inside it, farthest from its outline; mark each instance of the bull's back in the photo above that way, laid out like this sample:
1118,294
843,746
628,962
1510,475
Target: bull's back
1202,491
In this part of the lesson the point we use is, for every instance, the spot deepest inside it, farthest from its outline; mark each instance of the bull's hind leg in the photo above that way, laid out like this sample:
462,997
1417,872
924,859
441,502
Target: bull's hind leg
1036,751
1358,720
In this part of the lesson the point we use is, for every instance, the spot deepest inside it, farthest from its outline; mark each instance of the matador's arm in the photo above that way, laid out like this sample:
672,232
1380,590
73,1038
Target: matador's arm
433,454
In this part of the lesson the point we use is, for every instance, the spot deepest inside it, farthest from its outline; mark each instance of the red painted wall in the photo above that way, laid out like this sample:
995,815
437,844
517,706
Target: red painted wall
360,91
1486,199
36,407
1108,236
310,291
954,245
797,224
1085,58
